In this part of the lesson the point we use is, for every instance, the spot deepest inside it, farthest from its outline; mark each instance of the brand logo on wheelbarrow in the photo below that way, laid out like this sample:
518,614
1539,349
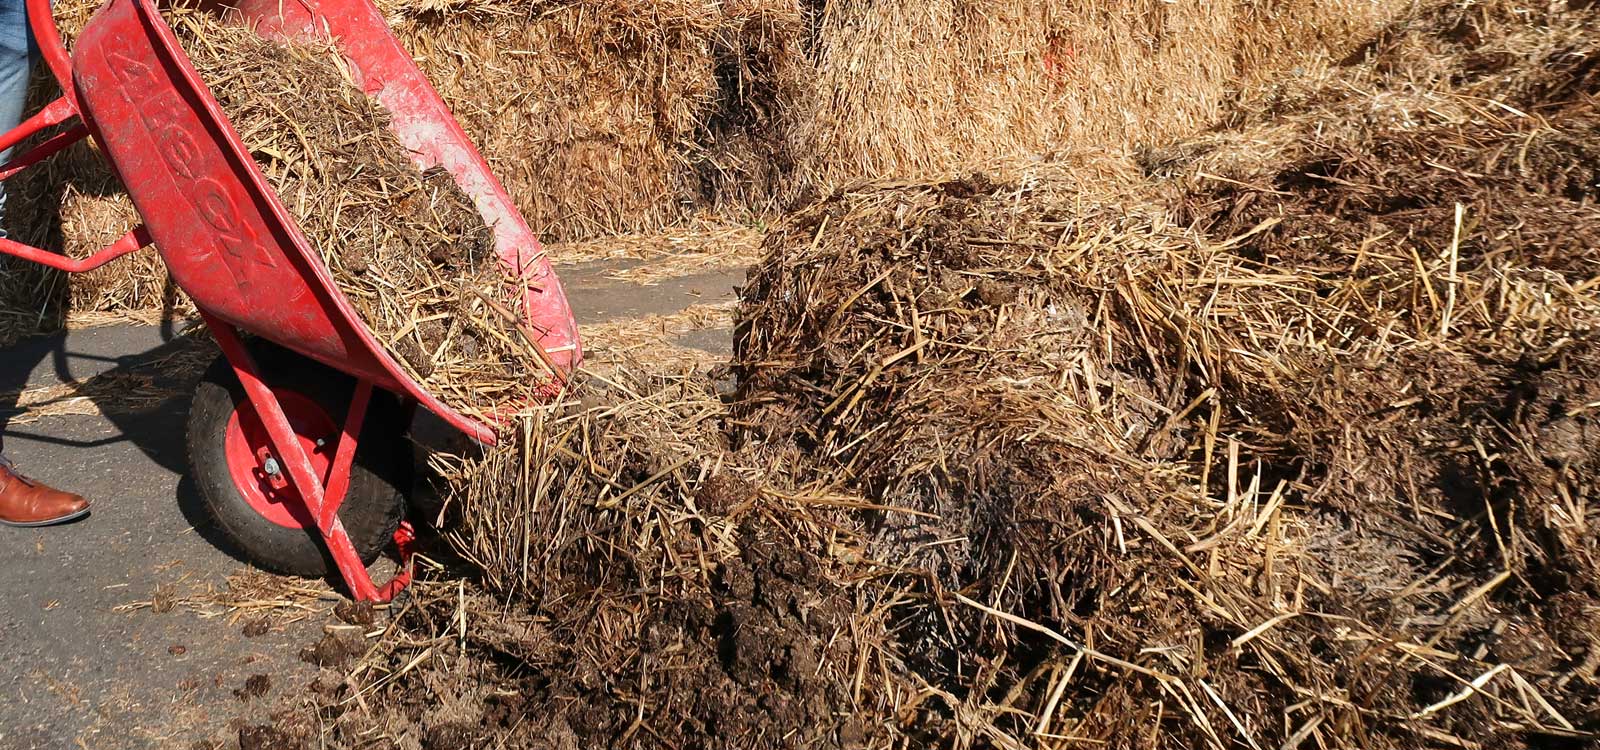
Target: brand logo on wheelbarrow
173,126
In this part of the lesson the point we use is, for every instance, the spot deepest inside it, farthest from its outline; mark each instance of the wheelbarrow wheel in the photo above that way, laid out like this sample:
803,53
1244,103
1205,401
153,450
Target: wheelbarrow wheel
257,510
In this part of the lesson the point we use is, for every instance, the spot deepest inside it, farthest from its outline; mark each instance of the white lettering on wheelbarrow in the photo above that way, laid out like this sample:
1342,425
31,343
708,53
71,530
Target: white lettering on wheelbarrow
163,114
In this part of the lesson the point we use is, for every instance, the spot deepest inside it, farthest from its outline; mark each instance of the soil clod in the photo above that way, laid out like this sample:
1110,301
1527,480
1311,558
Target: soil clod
255,686
356,613
257,627
334,649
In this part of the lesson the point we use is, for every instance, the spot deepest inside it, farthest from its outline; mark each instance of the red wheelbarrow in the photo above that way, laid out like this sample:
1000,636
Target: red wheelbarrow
296,437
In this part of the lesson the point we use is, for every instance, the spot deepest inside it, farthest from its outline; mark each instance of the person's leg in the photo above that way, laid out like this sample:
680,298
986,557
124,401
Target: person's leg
16,67
23,502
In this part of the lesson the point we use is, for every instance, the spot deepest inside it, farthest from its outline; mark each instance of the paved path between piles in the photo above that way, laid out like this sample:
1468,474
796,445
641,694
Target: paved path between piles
74,670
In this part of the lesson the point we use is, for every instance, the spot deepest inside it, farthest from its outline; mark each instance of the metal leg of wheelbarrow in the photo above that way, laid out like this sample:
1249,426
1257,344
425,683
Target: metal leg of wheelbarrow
321,500
53,114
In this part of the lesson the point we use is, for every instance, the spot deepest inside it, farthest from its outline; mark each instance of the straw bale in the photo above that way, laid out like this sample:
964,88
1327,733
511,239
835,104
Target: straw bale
612,116
907,87
75,204
620,117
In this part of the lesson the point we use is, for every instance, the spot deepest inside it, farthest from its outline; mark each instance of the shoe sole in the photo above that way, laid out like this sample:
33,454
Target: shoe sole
51,522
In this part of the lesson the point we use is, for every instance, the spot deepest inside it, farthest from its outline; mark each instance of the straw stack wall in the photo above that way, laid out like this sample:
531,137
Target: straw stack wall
624,116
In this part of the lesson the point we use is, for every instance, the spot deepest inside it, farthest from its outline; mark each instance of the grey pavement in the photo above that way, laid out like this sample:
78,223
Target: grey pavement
597,299
75,671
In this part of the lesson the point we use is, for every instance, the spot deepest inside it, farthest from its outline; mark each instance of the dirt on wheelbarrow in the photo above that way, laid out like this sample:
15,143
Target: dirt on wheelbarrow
406,246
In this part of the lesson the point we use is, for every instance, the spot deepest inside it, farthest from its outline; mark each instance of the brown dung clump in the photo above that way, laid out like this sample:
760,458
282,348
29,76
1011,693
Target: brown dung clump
407,247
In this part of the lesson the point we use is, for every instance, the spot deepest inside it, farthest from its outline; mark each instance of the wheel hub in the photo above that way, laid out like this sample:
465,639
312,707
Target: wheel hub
258,472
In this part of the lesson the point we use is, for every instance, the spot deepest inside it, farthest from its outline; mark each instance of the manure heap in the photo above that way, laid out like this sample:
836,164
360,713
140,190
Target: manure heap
1286,439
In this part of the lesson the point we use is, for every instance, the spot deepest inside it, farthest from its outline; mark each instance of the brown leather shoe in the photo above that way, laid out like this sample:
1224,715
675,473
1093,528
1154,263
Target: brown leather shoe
24,502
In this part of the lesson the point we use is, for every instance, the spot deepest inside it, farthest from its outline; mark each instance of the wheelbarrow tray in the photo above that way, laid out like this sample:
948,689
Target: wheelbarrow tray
225,235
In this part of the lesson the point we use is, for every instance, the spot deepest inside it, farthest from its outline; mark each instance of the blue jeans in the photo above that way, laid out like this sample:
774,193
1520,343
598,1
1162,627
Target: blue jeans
16,63
17,49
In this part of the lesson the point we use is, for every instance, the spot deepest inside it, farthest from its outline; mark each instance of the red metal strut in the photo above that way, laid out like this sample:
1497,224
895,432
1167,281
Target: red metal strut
323,502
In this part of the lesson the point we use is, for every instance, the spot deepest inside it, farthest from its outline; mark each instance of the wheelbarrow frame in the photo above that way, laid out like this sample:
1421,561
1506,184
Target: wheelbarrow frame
232,246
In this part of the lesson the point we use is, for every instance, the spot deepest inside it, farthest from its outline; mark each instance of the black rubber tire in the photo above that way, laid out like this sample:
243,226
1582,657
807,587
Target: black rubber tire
380,479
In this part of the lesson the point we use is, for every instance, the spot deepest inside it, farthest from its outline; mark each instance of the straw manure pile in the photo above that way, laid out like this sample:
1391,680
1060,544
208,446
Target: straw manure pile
640,587
406,246
1303,456
1215,501
1317,468
656,560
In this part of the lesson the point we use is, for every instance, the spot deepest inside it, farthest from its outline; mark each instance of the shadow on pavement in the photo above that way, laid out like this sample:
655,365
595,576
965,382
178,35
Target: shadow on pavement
44,376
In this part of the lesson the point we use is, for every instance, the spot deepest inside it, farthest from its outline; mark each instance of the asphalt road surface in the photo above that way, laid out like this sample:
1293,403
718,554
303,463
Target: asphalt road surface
85,661
76,671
